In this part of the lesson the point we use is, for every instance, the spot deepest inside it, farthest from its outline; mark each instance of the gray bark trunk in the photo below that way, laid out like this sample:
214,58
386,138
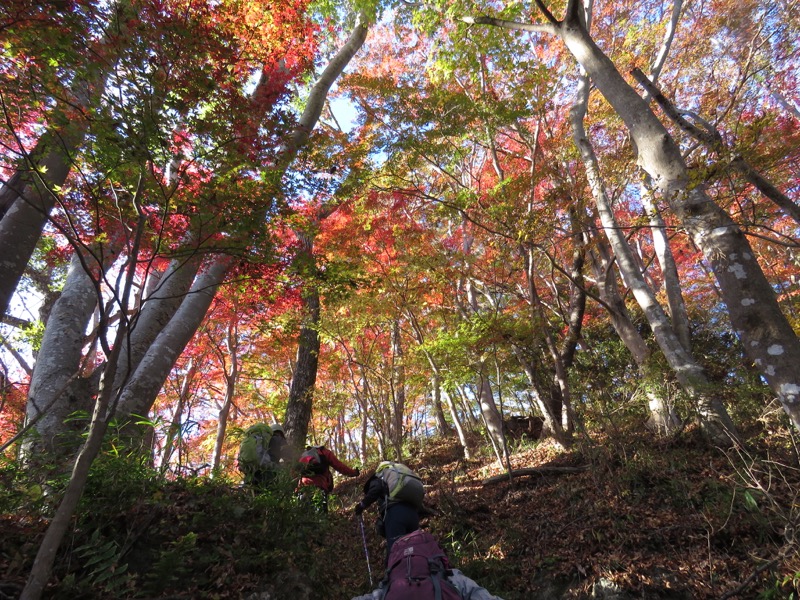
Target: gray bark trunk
436,399
457,422
142,388
716,422
662,415
767,336
231,378
158,308
22,225
29,197
57,388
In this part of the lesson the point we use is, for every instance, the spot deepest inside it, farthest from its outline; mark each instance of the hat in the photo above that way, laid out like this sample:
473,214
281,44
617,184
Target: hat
277,428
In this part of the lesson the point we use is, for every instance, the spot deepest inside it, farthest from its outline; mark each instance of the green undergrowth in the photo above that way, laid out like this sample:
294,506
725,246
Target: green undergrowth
139,536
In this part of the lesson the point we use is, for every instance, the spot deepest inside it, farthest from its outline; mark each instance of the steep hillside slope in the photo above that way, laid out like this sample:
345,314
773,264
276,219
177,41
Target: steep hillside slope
644,519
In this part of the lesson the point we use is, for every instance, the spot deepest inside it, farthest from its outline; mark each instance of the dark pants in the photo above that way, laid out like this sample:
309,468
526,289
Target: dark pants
400,519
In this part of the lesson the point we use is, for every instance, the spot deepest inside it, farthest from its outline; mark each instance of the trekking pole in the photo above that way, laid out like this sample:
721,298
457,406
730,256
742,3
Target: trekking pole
366,551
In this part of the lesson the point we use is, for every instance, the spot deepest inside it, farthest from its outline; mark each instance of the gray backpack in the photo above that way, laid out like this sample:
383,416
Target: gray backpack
402,483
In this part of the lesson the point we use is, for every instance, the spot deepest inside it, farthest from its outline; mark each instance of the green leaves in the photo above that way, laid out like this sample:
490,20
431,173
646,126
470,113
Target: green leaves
101,563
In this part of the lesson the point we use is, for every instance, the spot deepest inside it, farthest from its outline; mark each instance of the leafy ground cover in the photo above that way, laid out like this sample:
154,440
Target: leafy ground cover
647,519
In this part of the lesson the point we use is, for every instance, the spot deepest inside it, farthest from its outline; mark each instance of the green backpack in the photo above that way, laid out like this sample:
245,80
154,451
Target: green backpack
254,451
402,483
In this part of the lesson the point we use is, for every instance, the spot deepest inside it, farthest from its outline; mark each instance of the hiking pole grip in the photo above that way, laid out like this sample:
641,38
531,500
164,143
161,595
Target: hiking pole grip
366,551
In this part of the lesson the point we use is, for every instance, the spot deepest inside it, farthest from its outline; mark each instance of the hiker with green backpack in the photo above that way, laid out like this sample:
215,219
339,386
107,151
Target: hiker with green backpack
263,451
398,492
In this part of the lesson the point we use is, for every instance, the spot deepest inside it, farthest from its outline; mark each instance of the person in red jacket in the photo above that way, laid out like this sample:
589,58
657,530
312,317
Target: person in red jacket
315,470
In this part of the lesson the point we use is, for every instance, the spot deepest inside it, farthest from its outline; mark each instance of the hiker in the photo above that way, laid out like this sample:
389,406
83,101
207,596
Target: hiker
398,492
262,452
278,446
315,470
418,569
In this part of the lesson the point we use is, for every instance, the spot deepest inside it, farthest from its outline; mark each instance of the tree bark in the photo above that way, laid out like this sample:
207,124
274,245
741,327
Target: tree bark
174,430
662,416
301,392
715,420
29,196
767,336
57,368
231,379
22,224
442,427
398,380
144,385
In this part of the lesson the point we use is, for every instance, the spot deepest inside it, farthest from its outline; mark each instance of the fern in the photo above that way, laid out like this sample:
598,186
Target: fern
101,561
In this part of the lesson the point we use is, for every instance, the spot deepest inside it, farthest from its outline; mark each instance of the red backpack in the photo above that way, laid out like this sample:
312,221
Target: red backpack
418,570
312,462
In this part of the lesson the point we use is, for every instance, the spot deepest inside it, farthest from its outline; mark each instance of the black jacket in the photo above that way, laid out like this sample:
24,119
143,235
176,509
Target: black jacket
375,490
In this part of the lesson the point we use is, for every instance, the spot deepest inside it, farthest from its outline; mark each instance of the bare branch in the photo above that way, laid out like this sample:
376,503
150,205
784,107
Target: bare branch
540,471
712,139
513,25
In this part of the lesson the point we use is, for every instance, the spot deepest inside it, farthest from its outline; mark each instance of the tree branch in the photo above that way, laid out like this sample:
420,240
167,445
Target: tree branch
540,471
712,139
548,15
513,25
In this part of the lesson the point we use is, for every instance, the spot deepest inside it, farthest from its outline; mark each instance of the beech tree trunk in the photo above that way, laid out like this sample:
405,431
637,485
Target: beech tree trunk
231,378
29,196
58,388
716,422
767,336
442,427
29,207
145,383
662,416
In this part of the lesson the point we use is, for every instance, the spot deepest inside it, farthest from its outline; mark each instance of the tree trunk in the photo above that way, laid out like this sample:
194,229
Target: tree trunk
231,378
57,369
458,424
301,392
22,224
716,422
669,272
144,385
662,416
397,428
30,195
767,336
442,428
552,422
103,413
158,308
174,430
45,557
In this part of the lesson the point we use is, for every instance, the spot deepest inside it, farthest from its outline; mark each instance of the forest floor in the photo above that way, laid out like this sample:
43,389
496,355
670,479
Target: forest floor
642,519
646,519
